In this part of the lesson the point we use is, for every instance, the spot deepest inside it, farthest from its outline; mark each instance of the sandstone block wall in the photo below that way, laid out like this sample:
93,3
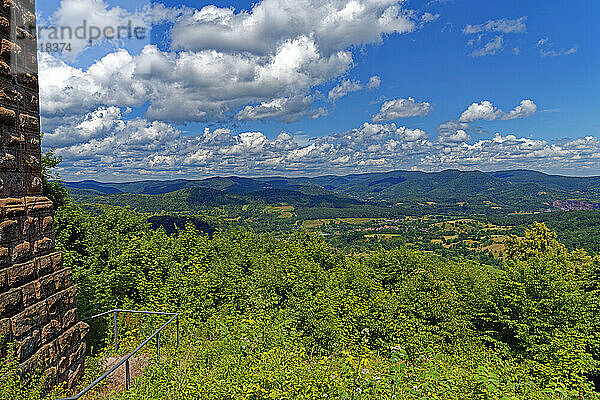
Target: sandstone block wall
38,310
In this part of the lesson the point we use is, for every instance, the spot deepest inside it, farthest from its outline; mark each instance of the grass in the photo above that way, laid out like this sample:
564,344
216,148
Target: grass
280,208
284,210
496,248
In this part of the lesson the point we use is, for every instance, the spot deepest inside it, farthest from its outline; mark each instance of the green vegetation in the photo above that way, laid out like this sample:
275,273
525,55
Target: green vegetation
290,317
575,229
54,187
373,195
413,308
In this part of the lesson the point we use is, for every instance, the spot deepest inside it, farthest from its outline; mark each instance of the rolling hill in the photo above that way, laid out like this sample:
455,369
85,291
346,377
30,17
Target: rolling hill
407,191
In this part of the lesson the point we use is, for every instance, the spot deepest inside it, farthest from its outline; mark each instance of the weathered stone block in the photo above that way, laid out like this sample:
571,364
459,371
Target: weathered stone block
11,184
21,273
4,25
63,364
32,163
50,331
48,224
33,183
29,80
69,318
29,345
8,161
9,49
3,280
63,279
75,372
61,302
28,122
4,257
33,317
47,355
38,205
12,207
47,286
30,226
26,38
72,337
31,293
77,354
7,117
9,230
44,265
13,138
11,96
33,141
21,252
57,261
32,102
43,246
29,16
8,5
56,282
10,302
5,70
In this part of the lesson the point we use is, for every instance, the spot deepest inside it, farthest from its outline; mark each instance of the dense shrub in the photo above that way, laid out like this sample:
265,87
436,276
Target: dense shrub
289,317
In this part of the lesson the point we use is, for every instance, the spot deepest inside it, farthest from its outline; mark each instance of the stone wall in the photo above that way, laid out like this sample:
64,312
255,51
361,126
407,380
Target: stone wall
38,311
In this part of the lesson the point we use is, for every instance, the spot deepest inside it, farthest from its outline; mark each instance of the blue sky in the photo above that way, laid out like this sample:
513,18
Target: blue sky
220,89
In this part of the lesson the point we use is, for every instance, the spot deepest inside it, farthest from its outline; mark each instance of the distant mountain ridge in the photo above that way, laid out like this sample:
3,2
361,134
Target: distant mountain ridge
510,190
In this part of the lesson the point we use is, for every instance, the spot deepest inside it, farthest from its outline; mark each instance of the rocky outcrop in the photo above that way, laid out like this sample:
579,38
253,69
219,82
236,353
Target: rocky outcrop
38,311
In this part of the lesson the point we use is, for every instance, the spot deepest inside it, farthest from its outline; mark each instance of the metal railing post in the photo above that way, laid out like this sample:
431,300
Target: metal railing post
116,333
127,375
177,320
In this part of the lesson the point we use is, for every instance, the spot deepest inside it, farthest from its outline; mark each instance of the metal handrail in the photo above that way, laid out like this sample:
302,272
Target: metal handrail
125,360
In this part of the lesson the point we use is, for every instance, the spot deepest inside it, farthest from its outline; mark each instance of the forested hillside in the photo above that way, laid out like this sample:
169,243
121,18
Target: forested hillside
406,192
291,318
576,229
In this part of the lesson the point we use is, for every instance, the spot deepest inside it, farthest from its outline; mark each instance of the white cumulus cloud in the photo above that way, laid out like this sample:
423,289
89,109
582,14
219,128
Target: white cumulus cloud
488,112
222,61
490,48
526,109
341,90
284,109
481,111
104,146
547,49
402,108
335,25
502,25
374,82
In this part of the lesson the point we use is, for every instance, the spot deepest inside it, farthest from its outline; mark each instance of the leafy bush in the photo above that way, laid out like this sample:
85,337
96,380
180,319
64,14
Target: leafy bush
16,385
289,317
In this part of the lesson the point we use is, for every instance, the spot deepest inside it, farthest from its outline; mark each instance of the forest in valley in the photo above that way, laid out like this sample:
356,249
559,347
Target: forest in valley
288,315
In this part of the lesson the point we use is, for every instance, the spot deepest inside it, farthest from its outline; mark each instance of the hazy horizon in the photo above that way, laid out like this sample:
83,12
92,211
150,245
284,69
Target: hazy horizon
316,176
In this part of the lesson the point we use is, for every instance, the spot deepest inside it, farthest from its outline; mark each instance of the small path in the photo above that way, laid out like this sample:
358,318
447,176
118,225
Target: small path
115,382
